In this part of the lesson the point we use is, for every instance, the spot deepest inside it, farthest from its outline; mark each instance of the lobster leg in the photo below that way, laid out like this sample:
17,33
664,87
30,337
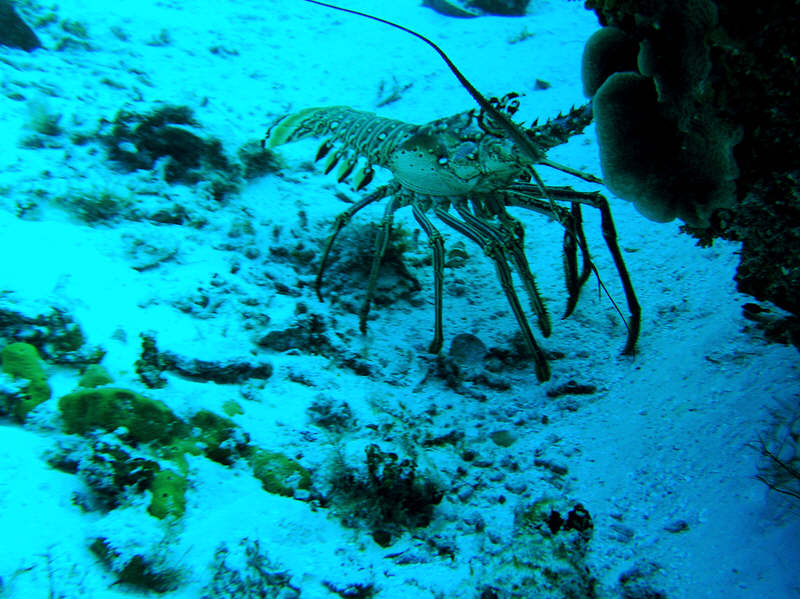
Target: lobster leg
381,241
573,237
436,243
577,219
339,223
486,239
513,239
525,195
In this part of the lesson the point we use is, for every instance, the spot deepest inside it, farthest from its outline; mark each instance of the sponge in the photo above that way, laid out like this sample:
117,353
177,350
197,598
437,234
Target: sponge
169,495
609,50
645,159
637,144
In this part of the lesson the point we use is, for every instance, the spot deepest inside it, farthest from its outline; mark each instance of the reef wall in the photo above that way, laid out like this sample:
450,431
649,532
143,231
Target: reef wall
697,104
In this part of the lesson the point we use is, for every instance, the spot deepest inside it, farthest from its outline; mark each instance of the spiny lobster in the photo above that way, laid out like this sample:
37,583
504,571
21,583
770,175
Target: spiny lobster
477,163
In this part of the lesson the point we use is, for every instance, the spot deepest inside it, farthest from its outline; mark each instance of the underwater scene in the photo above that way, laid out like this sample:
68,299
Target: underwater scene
439,299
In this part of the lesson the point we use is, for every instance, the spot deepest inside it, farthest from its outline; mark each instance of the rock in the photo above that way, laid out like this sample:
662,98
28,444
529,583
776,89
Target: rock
467,350
14,32
450,9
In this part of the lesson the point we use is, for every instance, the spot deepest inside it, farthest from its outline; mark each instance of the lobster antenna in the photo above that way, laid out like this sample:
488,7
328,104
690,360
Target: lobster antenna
519,138
500,118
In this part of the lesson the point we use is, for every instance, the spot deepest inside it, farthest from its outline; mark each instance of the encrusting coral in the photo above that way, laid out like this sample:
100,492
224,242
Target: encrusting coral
151,427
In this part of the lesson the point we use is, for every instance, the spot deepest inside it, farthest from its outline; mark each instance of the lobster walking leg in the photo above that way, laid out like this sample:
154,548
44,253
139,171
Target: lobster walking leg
526,195
511,235
573,238
381,241
597,200
436,243
476,230
339,223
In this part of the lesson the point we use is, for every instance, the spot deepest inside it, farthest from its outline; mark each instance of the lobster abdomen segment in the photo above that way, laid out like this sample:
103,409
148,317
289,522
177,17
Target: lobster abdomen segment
354,134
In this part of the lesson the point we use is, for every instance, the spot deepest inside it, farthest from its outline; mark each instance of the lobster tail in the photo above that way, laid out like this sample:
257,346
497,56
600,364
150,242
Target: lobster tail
355,134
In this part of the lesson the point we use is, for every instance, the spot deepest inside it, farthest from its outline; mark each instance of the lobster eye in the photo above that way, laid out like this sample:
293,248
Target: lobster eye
443,160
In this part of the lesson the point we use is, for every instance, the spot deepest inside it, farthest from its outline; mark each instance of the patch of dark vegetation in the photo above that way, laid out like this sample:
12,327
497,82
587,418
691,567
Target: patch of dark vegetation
391,497
467,362
137,571
331,414
139,141
571,387
253,575
307,334
153,362
258,161
348,268
777,327
54,333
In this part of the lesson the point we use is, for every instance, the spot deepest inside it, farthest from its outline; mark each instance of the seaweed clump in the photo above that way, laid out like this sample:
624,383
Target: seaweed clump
390,497
138,571
153,362
250,573
350,262
54,334
550,547
779,447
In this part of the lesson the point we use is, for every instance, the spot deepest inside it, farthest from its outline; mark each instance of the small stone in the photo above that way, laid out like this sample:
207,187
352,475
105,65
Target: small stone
467,350
476,520
503,438
516,487
622,533
677,526
558,469
465,493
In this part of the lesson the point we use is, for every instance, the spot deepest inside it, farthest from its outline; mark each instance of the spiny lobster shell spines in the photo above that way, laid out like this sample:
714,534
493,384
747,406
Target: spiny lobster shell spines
558,130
